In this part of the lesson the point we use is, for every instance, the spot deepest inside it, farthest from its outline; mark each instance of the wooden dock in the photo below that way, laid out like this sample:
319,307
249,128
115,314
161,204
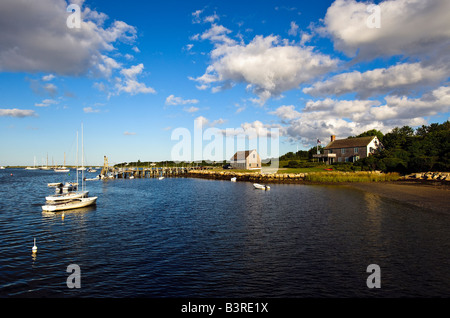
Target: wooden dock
155,172
149,172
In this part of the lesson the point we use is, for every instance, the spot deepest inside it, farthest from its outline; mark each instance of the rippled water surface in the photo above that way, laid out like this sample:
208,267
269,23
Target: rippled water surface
203,238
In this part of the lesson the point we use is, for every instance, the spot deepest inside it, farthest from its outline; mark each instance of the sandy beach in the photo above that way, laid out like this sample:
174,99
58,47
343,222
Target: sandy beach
431,196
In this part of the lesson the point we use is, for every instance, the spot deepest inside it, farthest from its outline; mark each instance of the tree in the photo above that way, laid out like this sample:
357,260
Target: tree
426,149
397,137
372,132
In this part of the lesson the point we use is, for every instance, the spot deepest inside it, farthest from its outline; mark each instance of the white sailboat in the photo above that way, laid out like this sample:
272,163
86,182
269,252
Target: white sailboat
63,168
46,167
71,200
34,166
2,168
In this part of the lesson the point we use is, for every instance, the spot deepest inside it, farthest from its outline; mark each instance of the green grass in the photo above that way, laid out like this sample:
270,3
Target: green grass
351,177
303,170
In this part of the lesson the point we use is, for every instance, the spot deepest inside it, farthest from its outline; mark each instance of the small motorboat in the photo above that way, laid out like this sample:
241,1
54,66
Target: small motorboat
55,185
92,179
73,204
63,169
261,186
233,179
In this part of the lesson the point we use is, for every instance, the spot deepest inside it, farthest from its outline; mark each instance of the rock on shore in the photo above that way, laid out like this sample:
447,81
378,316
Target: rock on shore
443,176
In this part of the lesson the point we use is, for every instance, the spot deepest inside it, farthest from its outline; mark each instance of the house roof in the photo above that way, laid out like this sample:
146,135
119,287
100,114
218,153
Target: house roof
350,143
241,155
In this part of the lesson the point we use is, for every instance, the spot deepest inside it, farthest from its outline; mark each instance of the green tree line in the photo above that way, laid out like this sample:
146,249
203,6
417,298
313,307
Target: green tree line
406,150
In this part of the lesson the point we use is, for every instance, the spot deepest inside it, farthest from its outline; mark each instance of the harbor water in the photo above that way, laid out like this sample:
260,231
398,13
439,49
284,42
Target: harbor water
186,237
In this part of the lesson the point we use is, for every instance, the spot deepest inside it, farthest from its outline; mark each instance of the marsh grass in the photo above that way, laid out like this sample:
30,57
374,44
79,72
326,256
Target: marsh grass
362,176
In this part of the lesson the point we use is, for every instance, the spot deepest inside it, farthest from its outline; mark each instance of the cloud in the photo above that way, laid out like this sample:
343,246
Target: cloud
130,84
41,87
267,65
211,18
51,89
48,77
172,100
38,39
46,103
321,118
129,133
201,121
403,107
188,47
398,78
253,130
218,34
408,27
89,110
106,66
19,113
196,19
294,29
196,16
191,109
286,112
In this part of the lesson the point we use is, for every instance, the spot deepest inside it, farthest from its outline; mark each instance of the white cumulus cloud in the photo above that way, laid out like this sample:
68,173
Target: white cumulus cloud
268,65
173,100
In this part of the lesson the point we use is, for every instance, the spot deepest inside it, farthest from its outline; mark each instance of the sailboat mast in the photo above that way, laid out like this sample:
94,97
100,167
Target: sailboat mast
77,159
82,159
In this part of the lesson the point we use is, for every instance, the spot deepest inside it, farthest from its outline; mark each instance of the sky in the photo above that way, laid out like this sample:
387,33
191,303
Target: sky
133,75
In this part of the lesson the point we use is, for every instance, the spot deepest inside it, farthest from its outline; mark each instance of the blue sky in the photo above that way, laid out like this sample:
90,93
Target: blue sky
134,72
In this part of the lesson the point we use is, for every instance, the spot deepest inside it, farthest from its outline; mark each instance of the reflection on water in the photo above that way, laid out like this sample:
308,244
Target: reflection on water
203,238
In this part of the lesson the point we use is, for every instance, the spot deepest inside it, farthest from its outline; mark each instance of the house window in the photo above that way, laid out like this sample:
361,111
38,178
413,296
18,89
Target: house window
342,150
356,150
254,156
340,159
330,151
346,159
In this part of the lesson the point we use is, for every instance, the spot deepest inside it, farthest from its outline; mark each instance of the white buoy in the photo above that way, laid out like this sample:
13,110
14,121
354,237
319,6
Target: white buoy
34,249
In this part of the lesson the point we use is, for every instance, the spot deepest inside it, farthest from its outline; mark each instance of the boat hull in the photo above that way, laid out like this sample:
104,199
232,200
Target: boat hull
260,186
71,205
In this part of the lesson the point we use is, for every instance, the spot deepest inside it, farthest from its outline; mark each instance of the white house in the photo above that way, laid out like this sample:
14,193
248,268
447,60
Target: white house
350,150
248,159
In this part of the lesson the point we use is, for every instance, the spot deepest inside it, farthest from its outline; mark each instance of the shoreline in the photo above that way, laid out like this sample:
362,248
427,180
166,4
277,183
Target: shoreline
431,195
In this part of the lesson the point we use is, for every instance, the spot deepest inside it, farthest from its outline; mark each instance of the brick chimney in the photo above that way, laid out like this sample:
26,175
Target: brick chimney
333,138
